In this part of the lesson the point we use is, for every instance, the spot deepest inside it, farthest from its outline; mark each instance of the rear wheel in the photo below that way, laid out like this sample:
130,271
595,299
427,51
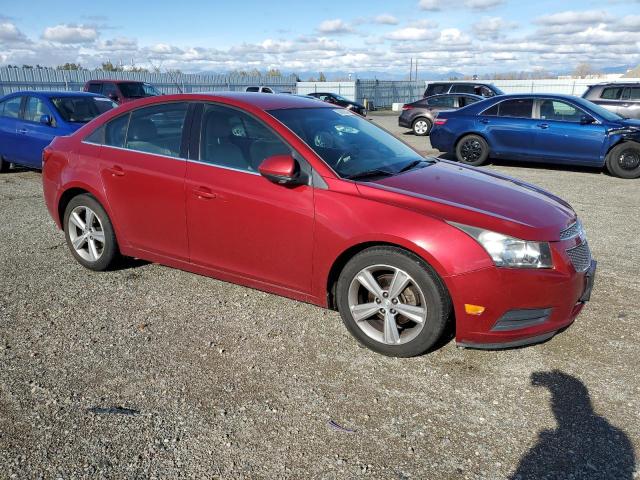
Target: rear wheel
4,165
421,126
472,150
623,160
89,233
392,302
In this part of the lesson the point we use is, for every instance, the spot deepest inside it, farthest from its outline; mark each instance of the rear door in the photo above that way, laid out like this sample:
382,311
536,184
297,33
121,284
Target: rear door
33,135
630,103
509,128
142,165
10,118
561,137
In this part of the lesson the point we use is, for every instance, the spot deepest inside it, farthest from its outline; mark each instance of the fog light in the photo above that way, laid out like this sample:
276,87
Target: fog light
473,309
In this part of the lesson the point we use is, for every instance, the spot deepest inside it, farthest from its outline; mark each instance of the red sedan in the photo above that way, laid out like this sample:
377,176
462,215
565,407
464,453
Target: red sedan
310,201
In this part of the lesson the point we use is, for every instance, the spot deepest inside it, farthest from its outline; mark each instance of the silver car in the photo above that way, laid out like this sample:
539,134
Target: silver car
620,98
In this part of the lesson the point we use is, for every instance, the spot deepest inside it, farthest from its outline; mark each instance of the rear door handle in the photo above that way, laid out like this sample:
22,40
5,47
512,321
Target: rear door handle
22,130
484,120
204,193
543,125
116,171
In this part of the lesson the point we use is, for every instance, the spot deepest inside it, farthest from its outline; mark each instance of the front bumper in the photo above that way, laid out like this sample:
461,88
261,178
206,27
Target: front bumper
522,307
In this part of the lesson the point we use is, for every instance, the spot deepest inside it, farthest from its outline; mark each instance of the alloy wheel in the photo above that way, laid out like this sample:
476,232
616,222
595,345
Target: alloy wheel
471,150
86,233
387,304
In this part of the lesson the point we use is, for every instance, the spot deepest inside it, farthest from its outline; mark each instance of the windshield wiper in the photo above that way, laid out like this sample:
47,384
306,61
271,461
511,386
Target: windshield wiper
376,172
412,164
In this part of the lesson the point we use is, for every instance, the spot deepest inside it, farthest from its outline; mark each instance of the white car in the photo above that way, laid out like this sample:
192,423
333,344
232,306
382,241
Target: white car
260,89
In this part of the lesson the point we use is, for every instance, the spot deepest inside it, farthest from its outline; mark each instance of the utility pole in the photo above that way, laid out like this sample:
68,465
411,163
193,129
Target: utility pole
416,69
411,69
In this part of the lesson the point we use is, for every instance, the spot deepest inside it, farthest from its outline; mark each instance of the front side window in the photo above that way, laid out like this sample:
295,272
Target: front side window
34,109
352,146
611,93
631,93
230,138
463,88
137,90
109,90
253,89
157,129
11,108
559,111
81,109
519,108
95,88
445,101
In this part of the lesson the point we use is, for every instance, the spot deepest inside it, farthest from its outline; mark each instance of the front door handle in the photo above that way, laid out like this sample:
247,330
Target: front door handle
204,193
484,120
116,171
543,125
22,130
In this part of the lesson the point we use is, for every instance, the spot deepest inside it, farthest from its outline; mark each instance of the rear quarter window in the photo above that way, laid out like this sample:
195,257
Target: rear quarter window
611,93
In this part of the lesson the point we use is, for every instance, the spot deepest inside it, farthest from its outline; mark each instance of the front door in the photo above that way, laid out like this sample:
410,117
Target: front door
238,221
142,164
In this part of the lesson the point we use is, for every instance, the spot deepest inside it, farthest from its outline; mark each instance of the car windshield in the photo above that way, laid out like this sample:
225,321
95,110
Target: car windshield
137,90
598,110
81,109
349,144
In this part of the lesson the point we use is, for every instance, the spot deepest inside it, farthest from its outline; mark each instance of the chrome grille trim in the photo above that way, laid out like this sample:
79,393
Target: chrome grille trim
571,231
580,257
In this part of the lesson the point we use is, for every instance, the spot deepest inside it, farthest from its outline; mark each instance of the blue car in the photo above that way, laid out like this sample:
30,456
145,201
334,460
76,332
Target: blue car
30,120
540,128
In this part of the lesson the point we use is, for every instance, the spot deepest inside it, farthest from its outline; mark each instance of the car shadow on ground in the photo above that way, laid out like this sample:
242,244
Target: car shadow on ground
584,444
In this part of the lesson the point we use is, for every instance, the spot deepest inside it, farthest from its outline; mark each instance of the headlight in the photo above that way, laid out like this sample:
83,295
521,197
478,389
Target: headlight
508,251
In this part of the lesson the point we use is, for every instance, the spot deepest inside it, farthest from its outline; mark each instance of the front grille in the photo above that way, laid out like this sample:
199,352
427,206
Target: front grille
571,231
580,257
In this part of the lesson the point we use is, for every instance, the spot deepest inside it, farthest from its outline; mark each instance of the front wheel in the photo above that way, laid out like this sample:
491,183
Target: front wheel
472,150
421,126
623,160
392,302
89,233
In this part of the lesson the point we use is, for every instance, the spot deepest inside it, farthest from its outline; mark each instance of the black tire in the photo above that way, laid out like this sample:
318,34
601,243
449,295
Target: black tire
436,297
421,126
4,165
109,251
623,160
472,150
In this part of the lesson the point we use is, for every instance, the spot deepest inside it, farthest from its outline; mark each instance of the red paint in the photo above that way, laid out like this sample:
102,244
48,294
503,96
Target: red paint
243,228
278,166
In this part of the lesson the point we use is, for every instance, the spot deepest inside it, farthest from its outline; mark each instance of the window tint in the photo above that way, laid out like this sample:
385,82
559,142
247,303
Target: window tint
267,90
611,93
98,135
445,101
253,89
463,88
95,88
34,109
11,107
81,109
109,89
157,129
116,131
437,88
464,101
560,111
631,93
493,111
516,108
137,90
233,139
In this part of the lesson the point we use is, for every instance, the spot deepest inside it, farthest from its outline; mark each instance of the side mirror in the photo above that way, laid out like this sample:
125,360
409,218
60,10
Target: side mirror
280,169
46,120
113,96
587,120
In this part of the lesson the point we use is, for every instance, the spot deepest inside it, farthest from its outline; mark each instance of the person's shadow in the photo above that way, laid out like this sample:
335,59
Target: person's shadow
583,446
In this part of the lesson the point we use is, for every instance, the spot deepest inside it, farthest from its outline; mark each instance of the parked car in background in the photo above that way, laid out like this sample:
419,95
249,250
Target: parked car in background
336,99
419,115
121,91
259,89
620,98
30,120
306,200
541,128
475,88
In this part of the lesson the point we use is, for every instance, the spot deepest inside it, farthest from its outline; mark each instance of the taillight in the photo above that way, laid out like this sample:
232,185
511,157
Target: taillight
440,121
407,107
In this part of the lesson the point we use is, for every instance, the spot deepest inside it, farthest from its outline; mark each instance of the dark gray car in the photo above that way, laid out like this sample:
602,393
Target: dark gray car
620,98
475,88
419,115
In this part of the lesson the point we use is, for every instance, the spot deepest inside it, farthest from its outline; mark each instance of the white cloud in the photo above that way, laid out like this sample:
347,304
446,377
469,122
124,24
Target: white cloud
412,34
492,27
64,33
433,5
572,17
335,26
386,19
10,33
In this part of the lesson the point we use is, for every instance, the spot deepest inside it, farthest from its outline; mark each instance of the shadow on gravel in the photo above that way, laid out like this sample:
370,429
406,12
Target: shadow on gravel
584,445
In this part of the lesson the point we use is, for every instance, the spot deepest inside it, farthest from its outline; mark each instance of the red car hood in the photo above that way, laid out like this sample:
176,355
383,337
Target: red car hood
476,197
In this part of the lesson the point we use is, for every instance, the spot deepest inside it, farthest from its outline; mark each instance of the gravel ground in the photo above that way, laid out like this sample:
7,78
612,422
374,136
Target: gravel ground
150,372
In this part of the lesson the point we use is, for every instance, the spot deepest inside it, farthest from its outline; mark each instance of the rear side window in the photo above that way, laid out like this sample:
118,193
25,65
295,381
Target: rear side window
11,108
463,88
436,89
81,109
464,101
631,93
446,101
34,109
519,108
95,88
157,129
253,89
611,93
